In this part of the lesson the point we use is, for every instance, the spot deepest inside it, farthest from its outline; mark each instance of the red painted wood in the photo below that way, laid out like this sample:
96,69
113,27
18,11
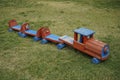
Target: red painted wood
12,23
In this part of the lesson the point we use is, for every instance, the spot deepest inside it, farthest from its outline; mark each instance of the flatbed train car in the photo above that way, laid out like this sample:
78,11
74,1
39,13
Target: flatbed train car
83,40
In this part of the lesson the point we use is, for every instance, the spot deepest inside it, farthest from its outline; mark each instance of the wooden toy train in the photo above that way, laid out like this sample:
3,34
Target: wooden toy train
85,43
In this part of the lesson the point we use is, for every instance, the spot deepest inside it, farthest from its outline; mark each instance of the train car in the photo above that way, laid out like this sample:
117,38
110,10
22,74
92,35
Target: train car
13,25
26,31
47,36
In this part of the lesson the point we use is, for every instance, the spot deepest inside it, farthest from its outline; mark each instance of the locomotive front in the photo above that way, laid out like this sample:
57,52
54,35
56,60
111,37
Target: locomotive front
99,49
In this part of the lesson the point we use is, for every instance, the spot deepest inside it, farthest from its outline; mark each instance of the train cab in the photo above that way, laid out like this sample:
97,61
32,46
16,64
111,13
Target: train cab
85,42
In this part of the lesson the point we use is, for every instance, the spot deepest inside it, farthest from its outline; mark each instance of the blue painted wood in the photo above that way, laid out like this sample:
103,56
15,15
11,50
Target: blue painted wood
84,31
67,39
53,37
31,32
17,27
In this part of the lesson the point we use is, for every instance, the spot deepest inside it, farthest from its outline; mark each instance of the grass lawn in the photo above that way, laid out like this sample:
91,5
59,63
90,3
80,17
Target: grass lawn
24,59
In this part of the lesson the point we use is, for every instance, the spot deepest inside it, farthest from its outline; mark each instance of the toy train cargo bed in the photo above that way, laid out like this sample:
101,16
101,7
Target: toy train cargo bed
67,39
31,32
17,27
53,38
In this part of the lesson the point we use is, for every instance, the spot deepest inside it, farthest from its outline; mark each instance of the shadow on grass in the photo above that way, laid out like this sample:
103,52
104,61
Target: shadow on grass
97,3
8,40
13,3
107,4
6,74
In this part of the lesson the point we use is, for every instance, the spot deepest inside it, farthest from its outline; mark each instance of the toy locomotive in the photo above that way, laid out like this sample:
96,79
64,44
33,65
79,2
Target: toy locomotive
83,40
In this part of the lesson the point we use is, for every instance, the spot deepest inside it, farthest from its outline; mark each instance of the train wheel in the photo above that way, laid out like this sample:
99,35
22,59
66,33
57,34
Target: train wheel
36,38
22,35
60,46
10,30
19,33
44,41
95,61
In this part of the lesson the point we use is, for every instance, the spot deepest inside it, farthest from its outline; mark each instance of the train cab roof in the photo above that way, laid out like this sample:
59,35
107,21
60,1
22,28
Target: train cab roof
84,31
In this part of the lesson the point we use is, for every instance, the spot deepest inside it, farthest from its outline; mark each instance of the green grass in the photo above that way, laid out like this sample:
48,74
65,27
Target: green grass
24,59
